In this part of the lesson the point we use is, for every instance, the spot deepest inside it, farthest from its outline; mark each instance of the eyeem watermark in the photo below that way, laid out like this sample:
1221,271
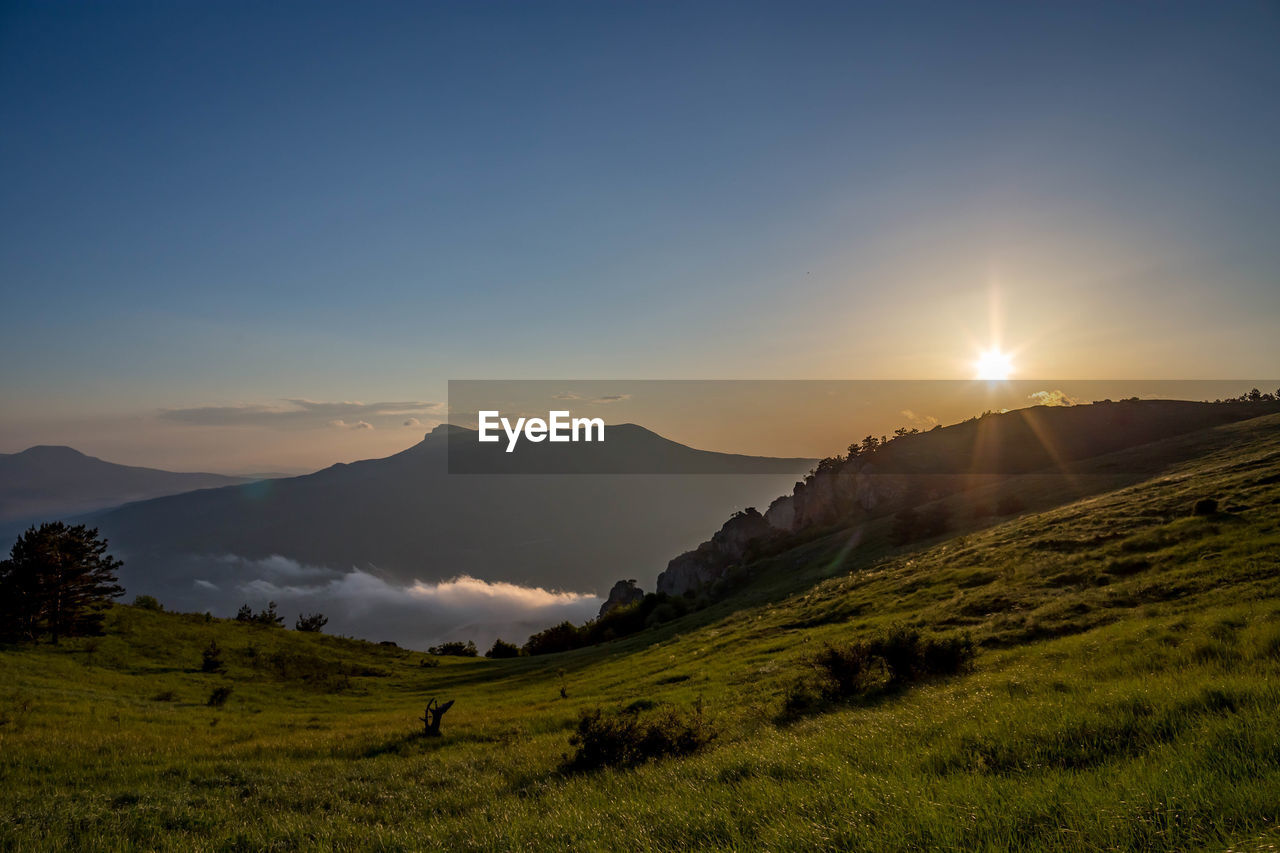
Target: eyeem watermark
559,426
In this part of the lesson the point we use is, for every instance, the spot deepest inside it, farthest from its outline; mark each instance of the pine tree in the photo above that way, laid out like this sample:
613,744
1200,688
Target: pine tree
56,581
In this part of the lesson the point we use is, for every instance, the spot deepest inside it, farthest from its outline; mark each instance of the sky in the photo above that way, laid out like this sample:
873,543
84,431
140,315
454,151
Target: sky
323,212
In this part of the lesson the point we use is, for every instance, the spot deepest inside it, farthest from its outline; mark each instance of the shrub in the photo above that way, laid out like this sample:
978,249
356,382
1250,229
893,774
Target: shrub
627,739
455,648
211,658
898,657
269,617
219,697
845,668
147,602
799,697
311,623
503,649
1205,506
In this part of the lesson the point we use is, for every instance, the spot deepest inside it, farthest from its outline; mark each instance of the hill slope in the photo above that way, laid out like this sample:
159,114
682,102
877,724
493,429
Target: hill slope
1123,697
46,482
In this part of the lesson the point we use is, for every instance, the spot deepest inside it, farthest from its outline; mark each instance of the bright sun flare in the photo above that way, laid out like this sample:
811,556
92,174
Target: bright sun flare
993,364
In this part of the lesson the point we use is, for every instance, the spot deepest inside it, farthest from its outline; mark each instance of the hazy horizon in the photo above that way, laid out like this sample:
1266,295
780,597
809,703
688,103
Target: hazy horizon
218,211
803,418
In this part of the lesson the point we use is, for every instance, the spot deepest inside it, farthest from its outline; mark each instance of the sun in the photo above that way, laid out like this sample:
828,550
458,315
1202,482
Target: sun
993,365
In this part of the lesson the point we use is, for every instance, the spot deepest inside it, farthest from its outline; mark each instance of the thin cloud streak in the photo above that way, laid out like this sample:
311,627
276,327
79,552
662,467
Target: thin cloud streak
300,413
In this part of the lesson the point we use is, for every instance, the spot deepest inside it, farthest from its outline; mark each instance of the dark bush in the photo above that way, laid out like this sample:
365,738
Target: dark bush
503,649
269,617
211,658
219,697
455,648
311,623
948,655
845,668
557,638
147,602
1205,506
640,705
898,657
799,697
627,739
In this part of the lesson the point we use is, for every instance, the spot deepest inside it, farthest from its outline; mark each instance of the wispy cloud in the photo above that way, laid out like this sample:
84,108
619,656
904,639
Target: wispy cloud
570,396
412,422
301,413
1052,398
921,422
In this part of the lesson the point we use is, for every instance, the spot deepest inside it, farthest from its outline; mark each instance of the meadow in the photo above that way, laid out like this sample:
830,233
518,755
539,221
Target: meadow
1124,695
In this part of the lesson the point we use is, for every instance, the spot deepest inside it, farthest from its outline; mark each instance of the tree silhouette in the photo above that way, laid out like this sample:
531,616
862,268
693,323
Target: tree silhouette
311,623
57,580
211,658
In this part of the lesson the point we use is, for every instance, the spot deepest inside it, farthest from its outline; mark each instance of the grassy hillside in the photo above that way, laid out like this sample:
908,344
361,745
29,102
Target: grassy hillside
1124,696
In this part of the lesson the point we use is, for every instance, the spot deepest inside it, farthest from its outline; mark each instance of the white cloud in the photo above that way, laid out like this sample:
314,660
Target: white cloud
1052,398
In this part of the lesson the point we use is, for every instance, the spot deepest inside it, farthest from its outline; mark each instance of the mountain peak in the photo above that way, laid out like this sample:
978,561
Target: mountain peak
52,451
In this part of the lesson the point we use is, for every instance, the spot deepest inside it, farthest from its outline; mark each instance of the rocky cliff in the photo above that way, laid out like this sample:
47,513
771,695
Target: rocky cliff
708,563
623,593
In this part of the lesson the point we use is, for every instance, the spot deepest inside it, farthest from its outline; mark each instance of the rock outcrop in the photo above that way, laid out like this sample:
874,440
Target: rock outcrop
700,568
623,593
829,496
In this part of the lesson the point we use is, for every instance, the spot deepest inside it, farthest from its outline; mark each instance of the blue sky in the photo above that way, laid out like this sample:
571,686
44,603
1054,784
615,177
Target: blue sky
217,204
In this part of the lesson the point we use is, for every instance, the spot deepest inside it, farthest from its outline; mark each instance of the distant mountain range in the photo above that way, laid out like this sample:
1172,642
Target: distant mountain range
405,518
46,482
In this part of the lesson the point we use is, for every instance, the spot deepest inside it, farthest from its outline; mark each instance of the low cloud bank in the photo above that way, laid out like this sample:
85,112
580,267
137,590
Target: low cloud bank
361,604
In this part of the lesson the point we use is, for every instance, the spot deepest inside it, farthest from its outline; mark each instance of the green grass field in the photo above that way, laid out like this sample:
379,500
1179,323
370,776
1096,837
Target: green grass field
1126,695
